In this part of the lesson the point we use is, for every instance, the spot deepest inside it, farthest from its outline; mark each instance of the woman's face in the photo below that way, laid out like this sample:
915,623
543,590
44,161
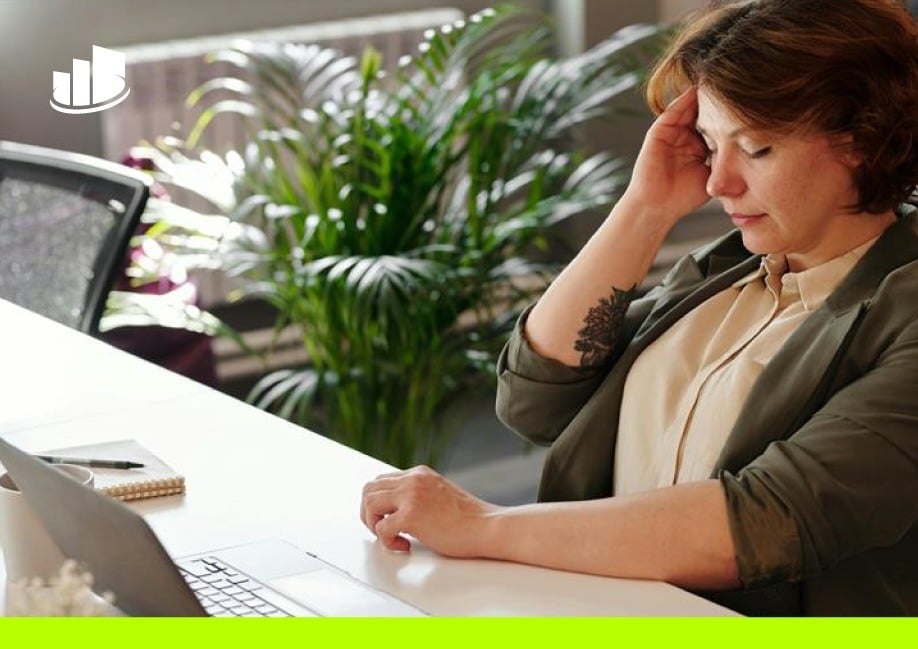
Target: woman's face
787,195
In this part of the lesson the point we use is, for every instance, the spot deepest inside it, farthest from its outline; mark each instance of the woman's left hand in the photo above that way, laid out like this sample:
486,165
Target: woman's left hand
424,504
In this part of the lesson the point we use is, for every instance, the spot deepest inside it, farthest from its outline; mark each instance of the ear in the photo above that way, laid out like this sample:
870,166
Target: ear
850,156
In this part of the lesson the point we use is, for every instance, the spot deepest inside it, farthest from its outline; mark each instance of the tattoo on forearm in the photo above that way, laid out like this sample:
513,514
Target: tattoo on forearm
603,322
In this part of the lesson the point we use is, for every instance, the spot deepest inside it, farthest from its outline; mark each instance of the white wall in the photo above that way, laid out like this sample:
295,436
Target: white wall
38,36
673,10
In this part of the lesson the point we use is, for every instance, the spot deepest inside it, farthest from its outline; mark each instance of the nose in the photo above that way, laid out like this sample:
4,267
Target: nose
725,178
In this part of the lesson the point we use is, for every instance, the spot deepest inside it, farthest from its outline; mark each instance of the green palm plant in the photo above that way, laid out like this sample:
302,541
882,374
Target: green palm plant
399,221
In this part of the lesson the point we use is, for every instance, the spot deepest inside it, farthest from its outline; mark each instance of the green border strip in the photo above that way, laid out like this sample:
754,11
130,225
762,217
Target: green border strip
467,633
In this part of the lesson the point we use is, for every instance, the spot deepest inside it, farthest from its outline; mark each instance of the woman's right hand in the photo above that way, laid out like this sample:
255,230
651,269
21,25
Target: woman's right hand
668,182
670,172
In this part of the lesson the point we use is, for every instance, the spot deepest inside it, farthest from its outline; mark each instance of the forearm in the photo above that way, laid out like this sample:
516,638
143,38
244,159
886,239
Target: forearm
615,259
678,534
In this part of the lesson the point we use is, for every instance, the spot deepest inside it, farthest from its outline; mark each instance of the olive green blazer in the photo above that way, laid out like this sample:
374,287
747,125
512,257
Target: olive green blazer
821,468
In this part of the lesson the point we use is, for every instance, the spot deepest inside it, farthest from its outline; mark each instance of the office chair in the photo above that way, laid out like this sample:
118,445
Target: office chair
65,223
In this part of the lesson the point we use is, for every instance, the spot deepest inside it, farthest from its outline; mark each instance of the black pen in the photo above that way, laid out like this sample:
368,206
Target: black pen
84,461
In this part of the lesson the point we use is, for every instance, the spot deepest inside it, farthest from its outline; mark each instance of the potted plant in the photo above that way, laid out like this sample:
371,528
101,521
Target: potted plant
398,221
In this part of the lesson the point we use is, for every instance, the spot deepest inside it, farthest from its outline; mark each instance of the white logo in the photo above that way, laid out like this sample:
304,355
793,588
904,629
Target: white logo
91,87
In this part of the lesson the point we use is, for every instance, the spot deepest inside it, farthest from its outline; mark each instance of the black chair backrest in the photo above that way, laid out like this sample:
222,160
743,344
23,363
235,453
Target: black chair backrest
65,223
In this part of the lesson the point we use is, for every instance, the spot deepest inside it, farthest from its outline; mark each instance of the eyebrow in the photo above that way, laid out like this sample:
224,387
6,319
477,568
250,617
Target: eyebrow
742,130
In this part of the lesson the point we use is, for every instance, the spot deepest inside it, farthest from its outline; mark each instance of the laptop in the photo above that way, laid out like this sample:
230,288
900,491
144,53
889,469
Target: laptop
269,578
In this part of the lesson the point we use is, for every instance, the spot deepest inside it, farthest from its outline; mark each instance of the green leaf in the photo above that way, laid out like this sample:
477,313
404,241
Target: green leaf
397,221
233,106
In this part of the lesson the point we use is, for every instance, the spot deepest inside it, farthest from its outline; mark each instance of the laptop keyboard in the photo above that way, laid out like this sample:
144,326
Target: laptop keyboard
226,593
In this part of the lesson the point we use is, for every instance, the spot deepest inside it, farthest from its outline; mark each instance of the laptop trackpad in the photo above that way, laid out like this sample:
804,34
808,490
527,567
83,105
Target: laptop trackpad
331,594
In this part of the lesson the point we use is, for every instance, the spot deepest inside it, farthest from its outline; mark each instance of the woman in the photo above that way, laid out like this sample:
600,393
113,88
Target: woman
748,429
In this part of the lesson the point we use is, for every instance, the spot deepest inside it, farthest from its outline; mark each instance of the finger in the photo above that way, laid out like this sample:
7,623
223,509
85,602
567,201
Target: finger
683,109
687,98
371,489
377,506
386,481
393,474
389,534
363,510
383,483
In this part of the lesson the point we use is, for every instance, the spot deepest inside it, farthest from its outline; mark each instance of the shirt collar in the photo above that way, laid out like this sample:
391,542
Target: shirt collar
813,284
770,265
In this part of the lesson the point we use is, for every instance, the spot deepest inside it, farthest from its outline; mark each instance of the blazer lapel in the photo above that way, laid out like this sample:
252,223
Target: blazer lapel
794,384
579,465
788,390
570,472
682,298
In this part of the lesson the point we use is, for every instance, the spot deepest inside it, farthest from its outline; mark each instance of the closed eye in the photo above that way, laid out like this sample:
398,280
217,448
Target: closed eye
761,153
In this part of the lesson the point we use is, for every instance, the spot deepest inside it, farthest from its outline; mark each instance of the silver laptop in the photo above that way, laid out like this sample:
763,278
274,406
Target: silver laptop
266,578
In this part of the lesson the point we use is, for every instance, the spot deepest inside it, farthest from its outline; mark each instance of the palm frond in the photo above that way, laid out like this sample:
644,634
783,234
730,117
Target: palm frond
396,220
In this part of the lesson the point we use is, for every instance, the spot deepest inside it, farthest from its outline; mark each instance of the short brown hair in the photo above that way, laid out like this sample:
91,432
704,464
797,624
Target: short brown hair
847,69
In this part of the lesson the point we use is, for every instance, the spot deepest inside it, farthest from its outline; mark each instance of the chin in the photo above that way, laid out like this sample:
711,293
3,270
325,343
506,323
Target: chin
759,245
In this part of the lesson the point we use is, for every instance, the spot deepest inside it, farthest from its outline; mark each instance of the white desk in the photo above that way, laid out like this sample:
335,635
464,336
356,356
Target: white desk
251,476
51,373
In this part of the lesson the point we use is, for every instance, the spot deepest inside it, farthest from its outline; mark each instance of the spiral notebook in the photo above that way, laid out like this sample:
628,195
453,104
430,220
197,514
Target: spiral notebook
156,478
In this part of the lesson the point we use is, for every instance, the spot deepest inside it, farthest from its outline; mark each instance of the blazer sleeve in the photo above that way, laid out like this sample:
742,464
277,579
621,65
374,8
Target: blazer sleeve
537,397
844,483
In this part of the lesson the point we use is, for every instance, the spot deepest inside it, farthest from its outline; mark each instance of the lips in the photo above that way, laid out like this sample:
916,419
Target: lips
740,219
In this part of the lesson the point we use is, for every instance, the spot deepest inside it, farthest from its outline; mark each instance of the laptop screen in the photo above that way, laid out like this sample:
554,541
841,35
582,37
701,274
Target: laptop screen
110,540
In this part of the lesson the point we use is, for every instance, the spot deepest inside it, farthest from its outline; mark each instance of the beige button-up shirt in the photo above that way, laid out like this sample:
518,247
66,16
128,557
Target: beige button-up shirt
685,391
